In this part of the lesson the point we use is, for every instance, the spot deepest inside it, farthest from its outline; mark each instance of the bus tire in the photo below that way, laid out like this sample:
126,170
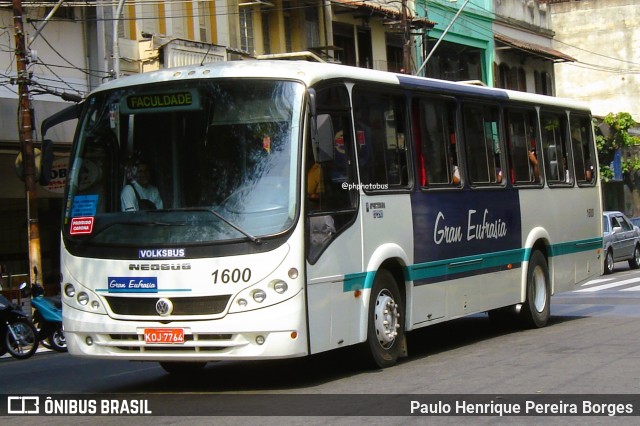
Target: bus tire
608,262
536,309
177,367
385,329
634,262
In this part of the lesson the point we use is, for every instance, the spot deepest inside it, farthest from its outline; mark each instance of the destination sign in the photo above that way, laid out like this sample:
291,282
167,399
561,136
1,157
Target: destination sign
160,100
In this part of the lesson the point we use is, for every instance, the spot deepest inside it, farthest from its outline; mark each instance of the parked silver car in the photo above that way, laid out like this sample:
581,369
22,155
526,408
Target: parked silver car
621,240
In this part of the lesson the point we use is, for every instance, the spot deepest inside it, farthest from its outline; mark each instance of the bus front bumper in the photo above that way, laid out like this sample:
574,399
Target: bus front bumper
277,331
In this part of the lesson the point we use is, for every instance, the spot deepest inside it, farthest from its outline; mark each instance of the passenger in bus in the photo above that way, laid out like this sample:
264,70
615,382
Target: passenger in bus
498,168
533,160
139,193
315,185
590,171
321,228
453,163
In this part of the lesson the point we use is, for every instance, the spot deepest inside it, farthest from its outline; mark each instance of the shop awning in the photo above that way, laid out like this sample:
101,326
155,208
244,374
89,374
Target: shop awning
383,10
533,49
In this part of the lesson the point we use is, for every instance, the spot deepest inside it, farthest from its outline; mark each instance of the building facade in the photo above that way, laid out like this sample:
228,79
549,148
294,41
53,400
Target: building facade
603,36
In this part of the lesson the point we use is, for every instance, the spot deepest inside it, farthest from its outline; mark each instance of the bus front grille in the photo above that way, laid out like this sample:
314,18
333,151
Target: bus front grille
198,343
146,306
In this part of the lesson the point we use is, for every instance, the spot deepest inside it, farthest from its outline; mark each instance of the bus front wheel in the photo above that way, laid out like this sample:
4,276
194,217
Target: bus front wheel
536,310
385,330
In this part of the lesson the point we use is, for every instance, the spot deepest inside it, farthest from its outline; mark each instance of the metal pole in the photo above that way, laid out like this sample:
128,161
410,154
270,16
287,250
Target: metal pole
406,40
46,21
442,37
116,43
25,132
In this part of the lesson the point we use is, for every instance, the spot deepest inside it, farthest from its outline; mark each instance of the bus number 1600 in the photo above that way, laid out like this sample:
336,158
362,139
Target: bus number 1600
231,275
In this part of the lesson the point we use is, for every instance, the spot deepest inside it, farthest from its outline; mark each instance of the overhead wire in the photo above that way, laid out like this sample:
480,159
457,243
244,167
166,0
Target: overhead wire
464,22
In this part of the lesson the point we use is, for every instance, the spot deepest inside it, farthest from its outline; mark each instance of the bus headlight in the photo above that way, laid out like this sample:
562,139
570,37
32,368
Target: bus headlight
83,298
279,286
69,290
264,294
259,295
79,297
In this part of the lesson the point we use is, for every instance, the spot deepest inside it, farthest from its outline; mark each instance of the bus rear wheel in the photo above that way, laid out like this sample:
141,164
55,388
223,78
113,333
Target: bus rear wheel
385,330
536,309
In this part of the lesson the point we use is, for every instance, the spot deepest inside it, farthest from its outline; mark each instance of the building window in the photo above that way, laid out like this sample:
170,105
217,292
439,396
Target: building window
246,29
312,25
522,80
202,21
543,83
504,76
455,62
266,33
286,14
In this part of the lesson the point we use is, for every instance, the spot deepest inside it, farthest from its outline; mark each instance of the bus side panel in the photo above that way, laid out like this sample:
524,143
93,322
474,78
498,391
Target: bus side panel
574,232
334,311
460,235
387,235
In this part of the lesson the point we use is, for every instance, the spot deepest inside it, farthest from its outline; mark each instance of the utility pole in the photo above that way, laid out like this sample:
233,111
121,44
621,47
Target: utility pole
25,133
406,40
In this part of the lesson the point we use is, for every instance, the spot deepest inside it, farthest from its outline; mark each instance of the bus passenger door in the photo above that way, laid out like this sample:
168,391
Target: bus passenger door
333,238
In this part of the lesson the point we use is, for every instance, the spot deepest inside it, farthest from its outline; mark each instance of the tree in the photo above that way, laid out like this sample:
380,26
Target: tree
613,135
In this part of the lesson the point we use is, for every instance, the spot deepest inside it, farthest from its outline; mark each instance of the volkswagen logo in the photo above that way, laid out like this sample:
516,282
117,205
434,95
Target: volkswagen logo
164,307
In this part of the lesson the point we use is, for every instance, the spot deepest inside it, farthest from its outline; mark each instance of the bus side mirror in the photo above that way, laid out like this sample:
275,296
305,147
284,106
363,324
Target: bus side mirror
46,160
43,159
323,147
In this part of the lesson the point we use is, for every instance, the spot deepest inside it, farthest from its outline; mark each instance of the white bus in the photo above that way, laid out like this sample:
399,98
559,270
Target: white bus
295,207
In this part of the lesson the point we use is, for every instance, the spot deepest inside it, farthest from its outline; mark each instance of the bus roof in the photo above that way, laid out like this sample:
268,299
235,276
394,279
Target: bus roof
312,72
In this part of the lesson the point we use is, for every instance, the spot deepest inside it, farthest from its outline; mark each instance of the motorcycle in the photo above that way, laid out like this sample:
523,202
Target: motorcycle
18,335
47,318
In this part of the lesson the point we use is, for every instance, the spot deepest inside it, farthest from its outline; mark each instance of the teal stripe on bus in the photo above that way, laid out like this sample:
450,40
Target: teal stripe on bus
470,265
465,265
576,246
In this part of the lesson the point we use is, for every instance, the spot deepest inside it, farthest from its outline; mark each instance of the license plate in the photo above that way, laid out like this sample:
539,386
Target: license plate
164,335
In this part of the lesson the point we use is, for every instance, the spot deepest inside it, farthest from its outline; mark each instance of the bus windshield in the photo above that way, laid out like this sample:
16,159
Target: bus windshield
217,155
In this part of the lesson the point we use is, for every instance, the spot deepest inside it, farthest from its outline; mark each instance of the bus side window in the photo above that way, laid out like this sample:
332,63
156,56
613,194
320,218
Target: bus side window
482,143
582,141
331,193
522,141
436,146
554,144
380,122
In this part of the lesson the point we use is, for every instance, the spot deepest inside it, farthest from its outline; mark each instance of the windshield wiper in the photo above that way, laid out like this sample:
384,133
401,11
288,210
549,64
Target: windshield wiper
253,239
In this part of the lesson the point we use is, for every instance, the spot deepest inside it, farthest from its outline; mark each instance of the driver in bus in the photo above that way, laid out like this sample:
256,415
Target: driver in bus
139,193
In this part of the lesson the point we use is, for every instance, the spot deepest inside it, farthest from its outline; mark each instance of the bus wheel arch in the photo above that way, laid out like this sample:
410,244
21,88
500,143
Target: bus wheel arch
385,321
535,310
